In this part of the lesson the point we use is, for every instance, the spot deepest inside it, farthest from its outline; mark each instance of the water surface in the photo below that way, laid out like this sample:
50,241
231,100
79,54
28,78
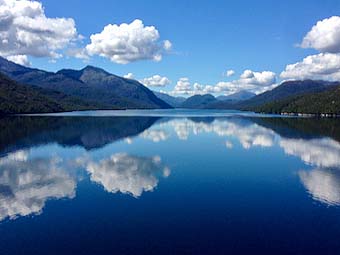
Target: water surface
194,182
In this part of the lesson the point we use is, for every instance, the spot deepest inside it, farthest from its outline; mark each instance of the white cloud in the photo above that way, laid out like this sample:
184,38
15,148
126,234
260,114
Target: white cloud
25,30
20,59
129,76
265,78
155,81
247,74
183,86
167,45
127,174
323,66
256,82
127,43
324,36
230,73
78,53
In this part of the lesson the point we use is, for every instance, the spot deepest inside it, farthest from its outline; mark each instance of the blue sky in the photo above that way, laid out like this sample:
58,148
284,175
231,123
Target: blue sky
207,37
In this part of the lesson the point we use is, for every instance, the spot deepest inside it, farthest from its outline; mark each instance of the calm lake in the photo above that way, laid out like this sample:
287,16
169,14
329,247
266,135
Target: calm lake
169,182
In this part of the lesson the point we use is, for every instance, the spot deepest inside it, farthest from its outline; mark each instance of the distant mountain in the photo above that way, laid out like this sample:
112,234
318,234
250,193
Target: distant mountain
17,98
173,101
199,101
286,90
91,84
238,96
327,102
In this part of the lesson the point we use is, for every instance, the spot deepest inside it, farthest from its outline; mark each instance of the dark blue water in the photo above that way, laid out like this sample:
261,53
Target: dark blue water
184,183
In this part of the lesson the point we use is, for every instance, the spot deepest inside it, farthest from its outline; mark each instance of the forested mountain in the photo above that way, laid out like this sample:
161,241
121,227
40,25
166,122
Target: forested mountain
326,102
238,96
18,98
285,90
90,84
198,101
171,100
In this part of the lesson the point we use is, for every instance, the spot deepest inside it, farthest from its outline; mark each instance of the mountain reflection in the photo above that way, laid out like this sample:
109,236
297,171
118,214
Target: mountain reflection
89,133
39,154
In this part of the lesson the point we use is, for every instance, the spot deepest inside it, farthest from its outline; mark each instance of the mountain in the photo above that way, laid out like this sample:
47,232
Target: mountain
198,101
17,98
173,101
286,90
238,96
90,84
326,102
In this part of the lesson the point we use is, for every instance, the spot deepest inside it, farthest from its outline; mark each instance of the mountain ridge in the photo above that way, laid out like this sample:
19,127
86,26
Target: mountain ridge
90,83
17,98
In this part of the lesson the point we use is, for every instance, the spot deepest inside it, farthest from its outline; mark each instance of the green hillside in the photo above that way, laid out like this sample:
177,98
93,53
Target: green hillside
17,98
327,102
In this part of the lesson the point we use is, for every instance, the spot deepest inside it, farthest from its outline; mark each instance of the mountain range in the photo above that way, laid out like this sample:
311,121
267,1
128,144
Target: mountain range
238,96
29,90
273,101
91,84
199,101
325,102
18,98
172,101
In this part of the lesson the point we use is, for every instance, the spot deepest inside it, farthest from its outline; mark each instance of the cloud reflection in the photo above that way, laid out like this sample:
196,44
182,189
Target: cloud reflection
127,174
322,152
27,183
249,134
322,184
155,135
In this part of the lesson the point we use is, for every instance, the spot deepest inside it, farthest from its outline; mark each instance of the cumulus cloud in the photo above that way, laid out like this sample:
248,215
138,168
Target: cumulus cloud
322,184
127,174
25,30
229,73
256,82
27,183
183,86
155,81
127,43
249,80
265,78
20,59
324,36
323,66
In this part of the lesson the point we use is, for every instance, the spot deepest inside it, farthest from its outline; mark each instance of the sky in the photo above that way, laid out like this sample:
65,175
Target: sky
179,47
